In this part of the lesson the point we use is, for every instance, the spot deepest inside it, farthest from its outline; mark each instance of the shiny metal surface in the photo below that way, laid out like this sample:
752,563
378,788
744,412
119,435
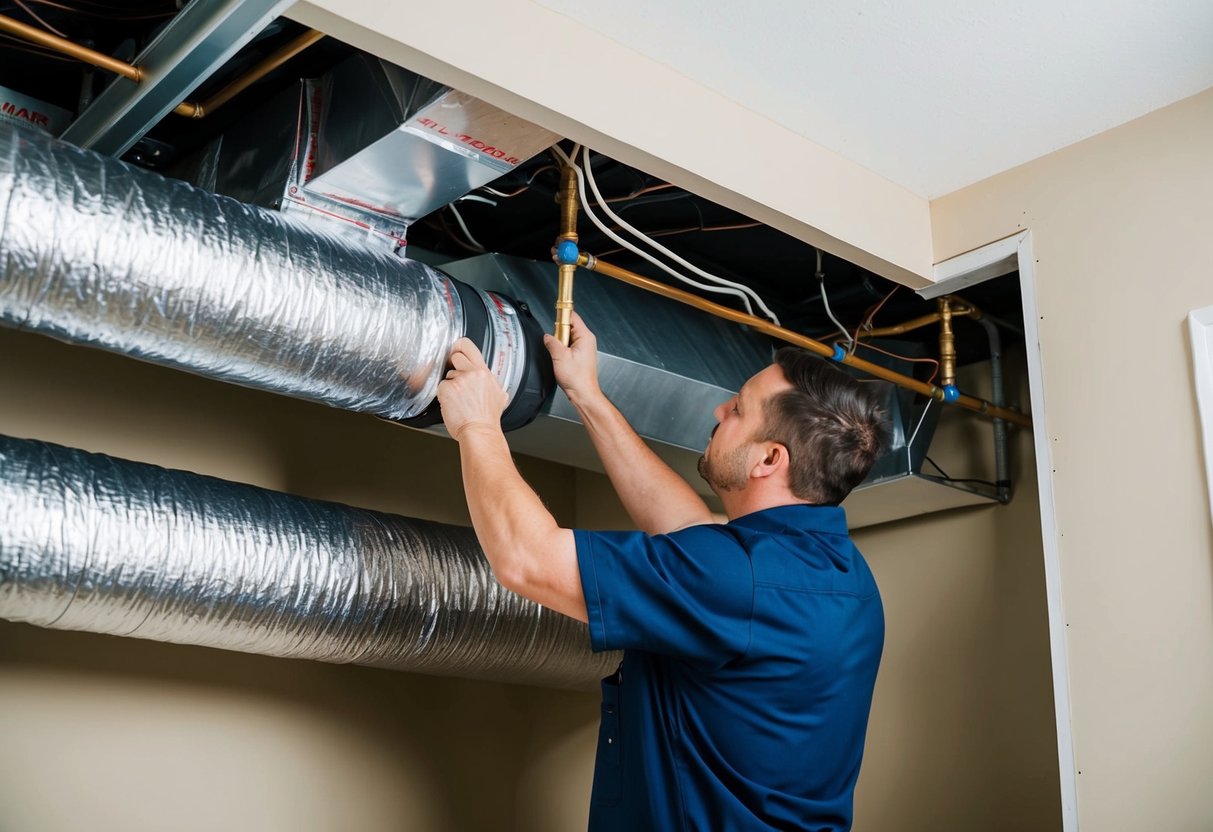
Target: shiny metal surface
195,43
401,146
30,112
100,253
665,366
898,486
89,542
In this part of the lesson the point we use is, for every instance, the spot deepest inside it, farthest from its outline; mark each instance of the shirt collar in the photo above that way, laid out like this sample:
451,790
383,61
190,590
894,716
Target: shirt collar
800,516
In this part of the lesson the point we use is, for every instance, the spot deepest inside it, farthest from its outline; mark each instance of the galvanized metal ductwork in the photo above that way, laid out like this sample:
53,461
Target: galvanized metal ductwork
365,150
97,252
88,542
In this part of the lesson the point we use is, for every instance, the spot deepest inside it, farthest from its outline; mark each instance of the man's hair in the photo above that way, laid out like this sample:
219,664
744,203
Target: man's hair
833,426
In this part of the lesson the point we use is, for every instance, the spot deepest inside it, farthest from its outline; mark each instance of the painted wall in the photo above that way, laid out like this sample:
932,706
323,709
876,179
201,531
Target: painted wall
1120,225
108,733
961,734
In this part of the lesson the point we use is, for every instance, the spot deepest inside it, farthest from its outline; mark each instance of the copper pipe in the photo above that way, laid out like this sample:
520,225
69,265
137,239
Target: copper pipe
66,47
262,69
762,325
947,344
134,73
568,231
898,329
967,310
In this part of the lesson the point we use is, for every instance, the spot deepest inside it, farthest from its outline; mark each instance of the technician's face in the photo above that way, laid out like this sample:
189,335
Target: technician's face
725,464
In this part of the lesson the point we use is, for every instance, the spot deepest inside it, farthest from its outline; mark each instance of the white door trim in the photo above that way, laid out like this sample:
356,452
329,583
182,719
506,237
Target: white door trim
1200,332
972,267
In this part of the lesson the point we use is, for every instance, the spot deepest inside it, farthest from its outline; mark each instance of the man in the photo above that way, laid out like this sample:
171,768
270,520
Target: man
751,648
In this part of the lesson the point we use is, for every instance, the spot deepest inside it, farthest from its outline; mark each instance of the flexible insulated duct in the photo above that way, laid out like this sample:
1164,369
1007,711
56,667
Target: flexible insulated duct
88,542
98,252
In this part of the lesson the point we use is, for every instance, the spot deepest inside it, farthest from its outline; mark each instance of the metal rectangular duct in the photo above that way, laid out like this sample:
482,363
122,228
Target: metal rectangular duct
367,149
666,367
30,112
897,487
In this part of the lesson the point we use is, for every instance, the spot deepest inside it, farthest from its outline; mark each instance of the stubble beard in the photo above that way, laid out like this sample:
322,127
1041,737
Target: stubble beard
727,473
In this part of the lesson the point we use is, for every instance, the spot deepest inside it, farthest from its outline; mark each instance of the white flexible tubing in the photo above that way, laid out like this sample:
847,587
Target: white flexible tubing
585,204
464,226
825,300
589,174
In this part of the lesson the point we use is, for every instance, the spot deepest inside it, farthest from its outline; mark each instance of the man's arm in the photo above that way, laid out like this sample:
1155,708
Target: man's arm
529,553
657,499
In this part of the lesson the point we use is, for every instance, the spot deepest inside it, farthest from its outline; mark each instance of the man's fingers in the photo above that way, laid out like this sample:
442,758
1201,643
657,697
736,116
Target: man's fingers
554,347
579,331
465,354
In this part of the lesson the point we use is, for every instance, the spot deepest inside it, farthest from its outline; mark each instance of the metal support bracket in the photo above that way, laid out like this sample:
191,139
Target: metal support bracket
195,43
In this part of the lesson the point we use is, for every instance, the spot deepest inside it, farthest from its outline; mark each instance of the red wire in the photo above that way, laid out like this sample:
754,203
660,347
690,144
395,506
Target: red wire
867,321
906,358
35,16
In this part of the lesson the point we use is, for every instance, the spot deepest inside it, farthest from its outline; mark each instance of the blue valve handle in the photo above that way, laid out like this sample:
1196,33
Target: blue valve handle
567,253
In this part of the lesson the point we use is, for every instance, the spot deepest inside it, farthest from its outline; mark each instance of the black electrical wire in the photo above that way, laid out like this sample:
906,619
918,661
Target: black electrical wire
944,475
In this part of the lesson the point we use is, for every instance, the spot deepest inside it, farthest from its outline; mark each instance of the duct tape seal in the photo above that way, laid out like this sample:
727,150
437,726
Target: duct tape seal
537,380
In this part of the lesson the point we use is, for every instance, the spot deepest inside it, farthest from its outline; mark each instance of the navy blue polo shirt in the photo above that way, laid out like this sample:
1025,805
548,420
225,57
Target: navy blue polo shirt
750,655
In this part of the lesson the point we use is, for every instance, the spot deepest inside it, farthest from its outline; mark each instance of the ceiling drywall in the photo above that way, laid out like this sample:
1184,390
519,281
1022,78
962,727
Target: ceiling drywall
935,94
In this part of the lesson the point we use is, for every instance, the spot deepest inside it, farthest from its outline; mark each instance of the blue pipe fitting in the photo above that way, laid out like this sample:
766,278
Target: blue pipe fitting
839,353
567,253
951,392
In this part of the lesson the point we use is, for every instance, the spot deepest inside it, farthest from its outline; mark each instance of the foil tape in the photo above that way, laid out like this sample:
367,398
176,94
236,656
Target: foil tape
95,251
89,542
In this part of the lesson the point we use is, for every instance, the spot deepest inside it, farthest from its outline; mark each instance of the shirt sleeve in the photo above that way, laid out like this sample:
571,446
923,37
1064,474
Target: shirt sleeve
689,594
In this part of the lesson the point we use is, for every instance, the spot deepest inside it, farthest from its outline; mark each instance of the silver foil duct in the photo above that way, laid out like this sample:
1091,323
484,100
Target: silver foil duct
98,252
89,542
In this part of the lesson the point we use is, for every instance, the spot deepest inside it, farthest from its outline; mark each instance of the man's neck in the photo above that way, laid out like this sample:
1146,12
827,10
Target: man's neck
740,503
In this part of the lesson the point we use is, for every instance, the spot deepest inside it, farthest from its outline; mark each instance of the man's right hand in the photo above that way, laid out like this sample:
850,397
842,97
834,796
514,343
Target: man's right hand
576,365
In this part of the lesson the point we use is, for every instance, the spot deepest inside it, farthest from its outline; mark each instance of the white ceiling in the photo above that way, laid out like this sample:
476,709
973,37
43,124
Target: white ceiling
932,94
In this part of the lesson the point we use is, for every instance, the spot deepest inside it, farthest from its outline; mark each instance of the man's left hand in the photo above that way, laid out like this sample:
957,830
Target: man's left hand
470,395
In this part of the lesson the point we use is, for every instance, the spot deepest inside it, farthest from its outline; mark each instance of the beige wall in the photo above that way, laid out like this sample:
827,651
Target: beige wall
106,733
961,734
1120,225
109,733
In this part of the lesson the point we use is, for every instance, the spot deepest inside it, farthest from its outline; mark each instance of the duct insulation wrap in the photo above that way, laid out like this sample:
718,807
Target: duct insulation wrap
98,252
88,542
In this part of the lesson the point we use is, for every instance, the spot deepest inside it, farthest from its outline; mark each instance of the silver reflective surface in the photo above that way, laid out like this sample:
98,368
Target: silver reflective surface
88,542
399,145
664,365
95,251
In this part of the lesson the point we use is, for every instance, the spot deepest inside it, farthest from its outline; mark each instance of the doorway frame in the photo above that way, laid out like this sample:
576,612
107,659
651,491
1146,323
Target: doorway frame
995,259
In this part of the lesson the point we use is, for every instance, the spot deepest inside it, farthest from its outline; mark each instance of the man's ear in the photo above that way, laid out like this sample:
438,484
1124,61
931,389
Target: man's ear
774,459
